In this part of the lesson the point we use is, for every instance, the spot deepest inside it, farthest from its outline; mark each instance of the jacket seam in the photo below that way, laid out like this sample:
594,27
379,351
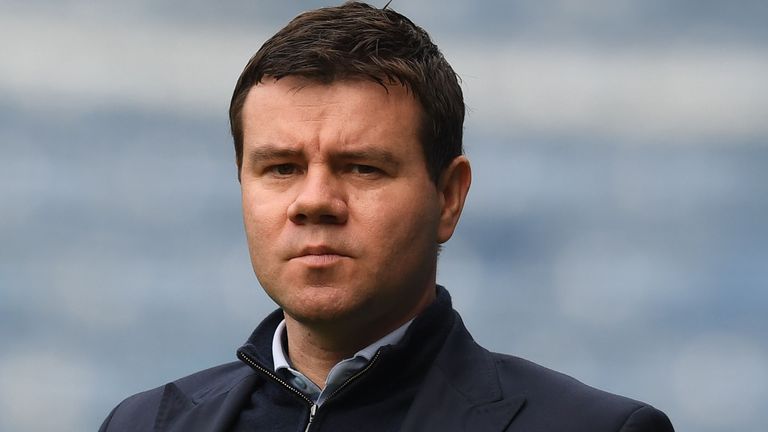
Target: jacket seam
630,415
208,393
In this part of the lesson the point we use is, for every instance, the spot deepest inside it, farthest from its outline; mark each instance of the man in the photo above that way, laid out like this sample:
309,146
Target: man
348,136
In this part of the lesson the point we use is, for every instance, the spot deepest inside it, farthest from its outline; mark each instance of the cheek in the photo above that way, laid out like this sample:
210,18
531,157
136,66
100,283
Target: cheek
262,228
262,220
399,222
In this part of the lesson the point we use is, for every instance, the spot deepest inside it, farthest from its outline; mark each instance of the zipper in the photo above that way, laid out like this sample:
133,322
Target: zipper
355,376
244,357
312,405
312,412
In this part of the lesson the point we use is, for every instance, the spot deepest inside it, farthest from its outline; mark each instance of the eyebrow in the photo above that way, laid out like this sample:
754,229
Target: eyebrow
268,153
370,153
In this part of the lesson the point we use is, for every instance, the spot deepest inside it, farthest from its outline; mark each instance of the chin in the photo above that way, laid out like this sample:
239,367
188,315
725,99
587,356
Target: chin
318,304
320,314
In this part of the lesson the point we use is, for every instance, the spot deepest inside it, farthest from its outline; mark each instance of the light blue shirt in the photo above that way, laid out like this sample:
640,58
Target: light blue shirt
342,371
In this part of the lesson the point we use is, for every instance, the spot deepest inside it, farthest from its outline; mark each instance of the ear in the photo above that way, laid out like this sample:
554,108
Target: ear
452,189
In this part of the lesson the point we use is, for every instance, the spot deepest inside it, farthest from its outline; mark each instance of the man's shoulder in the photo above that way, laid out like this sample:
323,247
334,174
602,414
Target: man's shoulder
214,380
532,377
549,392
205,383
138,412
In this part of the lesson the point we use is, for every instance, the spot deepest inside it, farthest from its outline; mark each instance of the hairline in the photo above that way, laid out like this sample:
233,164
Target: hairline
238,104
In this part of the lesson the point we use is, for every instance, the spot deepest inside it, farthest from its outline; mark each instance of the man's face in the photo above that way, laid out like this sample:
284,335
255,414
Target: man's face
342,219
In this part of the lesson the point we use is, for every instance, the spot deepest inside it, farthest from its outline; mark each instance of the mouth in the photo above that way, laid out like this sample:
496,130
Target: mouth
319,256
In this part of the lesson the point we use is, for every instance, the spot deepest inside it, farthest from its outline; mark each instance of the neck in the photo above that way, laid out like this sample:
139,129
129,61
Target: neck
311,353
315,349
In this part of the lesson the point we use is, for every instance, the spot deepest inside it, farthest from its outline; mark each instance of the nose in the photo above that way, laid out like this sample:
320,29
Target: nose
320,200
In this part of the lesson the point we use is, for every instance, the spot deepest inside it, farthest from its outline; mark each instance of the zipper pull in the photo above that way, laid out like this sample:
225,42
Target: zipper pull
312,411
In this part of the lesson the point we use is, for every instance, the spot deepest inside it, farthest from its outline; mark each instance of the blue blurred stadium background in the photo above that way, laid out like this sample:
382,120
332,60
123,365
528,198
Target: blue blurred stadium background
616,229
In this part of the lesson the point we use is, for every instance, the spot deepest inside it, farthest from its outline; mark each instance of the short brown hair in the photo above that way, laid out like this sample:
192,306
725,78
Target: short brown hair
356,40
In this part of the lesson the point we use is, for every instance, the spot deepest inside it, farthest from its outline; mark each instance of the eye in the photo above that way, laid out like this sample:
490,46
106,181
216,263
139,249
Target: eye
364,169
283,169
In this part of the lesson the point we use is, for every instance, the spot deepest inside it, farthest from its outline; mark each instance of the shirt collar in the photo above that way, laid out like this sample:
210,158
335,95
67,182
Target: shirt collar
280,356
338,374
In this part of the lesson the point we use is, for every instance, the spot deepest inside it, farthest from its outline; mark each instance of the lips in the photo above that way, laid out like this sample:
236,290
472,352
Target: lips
319,256
319,250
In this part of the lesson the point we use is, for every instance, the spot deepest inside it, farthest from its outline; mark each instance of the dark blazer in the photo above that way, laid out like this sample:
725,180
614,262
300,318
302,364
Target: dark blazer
467,388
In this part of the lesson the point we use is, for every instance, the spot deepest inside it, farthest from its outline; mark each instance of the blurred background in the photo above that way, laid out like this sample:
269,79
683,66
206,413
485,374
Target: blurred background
616,229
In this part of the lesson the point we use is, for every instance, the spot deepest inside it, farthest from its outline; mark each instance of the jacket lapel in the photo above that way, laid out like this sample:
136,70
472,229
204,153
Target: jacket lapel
461,392
214,413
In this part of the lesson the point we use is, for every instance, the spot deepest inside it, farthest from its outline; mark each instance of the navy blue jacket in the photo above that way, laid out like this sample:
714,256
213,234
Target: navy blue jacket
462,387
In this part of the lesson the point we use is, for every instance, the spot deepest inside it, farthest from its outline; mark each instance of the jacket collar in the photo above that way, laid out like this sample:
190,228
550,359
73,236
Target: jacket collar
462,390
214,408
210,410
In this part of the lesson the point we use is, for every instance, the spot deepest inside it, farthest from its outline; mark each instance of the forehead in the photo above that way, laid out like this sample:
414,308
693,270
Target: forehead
352,108
292,90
